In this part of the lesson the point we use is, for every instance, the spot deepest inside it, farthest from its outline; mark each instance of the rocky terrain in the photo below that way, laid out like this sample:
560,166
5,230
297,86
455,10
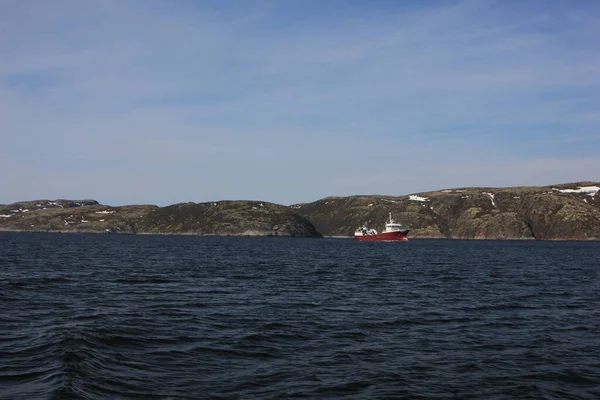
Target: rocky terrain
71,216
246,218
228,218
557,212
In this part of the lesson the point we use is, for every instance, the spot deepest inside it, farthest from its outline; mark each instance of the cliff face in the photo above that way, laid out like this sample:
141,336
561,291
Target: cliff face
566,211
220,218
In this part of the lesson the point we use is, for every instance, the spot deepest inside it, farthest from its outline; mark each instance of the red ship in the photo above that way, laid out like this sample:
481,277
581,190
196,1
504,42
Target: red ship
393,232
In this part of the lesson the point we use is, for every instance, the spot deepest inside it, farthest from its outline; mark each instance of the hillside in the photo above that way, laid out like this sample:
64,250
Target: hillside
84,216
557,212
565,212
225,218
228,218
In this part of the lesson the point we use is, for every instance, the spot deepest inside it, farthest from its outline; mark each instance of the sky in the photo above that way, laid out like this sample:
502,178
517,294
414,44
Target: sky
168,101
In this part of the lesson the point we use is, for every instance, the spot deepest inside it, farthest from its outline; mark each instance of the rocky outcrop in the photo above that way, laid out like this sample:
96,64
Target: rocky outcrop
228,218
558,212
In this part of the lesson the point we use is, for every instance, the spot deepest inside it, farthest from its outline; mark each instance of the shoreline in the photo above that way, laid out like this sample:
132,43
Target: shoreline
289,236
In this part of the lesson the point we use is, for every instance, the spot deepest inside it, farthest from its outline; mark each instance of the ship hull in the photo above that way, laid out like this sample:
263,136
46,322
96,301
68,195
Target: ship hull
384,237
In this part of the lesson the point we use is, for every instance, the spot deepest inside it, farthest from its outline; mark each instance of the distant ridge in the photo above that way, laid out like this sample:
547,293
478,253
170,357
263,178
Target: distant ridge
222,218
566,211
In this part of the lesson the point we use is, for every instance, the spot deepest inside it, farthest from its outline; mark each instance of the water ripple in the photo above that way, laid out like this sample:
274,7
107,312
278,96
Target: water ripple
153,317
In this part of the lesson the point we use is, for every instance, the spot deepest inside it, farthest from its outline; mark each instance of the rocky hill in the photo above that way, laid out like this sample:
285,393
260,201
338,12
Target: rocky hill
249,218
228,218
71,216
558,212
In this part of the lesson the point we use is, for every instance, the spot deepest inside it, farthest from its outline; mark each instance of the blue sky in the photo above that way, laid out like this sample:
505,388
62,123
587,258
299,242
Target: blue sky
290,101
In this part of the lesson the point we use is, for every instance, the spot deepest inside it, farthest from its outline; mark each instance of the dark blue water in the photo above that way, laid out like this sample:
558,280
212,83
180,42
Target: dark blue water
159,317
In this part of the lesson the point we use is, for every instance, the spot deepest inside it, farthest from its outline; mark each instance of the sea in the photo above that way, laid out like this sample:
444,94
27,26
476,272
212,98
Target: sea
86,316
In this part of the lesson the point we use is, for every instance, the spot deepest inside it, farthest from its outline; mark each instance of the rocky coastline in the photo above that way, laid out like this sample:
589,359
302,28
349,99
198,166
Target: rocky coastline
568,211
223,218
558,212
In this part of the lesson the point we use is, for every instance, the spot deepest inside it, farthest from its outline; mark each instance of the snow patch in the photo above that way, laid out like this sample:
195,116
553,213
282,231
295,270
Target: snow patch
370,205
447,191
414,197
491,198
105,212
5,216
589,190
